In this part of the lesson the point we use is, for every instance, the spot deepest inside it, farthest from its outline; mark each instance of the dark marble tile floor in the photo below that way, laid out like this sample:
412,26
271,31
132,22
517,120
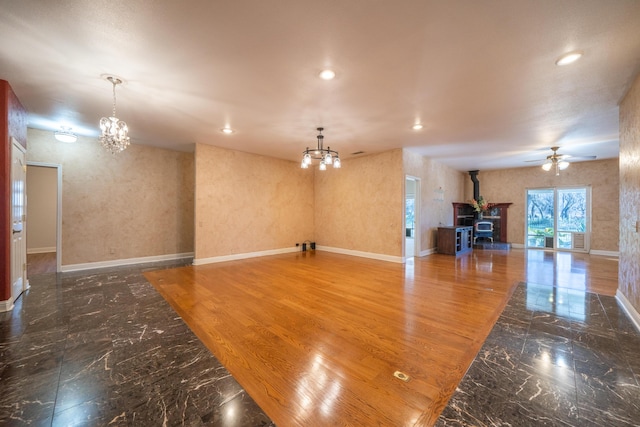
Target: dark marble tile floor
104,348
556,357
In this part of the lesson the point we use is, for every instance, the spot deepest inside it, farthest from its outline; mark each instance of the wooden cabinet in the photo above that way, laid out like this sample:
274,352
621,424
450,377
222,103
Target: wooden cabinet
463,214
455,240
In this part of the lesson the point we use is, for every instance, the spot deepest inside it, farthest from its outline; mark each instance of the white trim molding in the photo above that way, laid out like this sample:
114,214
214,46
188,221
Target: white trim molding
629,309
381,257
6,305
429,252
123,262
614,254
235,257
41,250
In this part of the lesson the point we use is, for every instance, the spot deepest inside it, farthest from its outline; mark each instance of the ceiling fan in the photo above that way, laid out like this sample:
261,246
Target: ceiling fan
559,161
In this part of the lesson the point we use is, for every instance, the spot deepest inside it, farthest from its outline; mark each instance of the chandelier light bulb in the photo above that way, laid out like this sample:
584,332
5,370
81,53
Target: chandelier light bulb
323,165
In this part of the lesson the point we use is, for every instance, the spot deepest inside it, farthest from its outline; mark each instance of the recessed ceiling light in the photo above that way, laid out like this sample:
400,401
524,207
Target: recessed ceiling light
227,130
417,126
569,58
327,74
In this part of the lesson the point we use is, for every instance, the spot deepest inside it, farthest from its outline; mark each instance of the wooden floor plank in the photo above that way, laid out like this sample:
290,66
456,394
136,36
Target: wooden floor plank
315,337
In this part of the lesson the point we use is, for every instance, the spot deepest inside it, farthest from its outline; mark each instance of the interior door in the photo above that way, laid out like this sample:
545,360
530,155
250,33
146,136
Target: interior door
18,221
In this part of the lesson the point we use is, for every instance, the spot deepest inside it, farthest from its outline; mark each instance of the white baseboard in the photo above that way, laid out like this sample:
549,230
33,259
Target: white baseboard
6,305
381,257
123,262
235,257
428,252
614,254
517,245
630,309
41,250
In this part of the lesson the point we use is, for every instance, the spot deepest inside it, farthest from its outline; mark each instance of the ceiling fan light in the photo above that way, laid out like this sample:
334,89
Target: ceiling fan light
563,165
546,167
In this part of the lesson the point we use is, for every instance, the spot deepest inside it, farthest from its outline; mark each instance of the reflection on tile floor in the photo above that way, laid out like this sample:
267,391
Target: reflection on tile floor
107,349
556,357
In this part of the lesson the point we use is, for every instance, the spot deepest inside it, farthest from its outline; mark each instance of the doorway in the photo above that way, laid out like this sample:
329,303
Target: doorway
411,214
559,218
44,182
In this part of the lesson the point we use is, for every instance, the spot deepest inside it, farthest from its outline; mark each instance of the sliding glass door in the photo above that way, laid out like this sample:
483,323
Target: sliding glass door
558,218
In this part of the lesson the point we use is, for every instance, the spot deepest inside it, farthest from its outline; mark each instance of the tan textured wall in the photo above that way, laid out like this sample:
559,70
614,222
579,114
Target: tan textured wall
249,203
509,185
629,270
138,203
42,196
360,207
440,186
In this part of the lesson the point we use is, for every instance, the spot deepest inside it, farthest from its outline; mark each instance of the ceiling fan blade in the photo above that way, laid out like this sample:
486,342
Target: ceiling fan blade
583,158
533,161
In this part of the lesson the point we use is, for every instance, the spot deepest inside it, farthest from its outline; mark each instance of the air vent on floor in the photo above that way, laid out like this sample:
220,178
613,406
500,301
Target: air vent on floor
401,376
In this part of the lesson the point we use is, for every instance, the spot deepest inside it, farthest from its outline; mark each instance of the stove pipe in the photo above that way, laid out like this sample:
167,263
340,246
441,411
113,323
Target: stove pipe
476,184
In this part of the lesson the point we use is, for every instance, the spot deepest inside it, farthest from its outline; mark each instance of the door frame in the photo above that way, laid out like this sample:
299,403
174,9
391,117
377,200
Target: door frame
15,145
416,219
58,167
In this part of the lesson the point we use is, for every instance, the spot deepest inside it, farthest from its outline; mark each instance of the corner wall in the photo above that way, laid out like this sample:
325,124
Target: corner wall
629,270
360,207
247,204
136,204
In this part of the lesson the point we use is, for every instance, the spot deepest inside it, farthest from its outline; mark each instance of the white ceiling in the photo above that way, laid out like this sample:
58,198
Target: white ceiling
479,75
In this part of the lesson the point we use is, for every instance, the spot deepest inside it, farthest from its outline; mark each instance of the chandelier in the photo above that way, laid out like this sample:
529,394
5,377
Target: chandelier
327,156
114,131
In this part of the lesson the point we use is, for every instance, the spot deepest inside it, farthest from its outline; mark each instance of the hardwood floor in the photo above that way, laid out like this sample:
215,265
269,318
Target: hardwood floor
41,263
315,337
